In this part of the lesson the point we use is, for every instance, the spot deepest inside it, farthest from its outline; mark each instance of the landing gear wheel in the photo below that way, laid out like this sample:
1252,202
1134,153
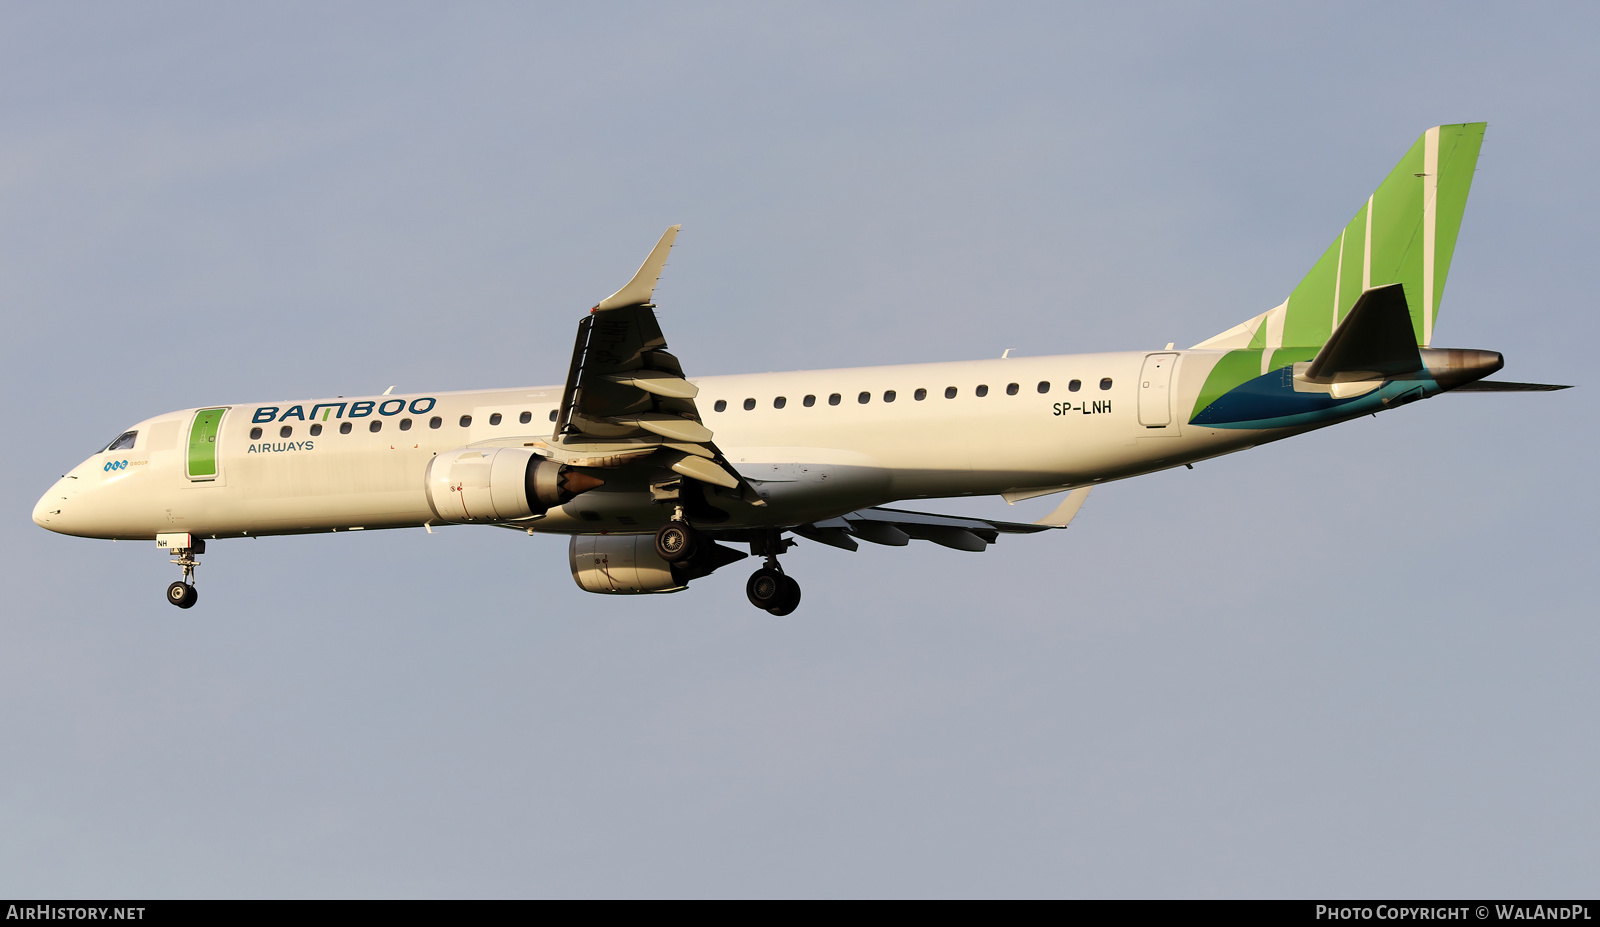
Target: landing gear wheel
788,598
182,595
764,589
676,542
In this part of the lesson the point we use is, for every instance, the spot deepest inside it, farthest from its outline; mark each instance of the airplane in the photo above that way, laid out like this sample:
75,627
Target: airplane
654,475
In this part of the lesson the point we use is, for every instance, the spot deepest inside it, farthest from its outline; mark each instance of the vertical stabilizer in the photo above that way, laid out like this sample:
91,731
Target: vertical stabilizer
1404,233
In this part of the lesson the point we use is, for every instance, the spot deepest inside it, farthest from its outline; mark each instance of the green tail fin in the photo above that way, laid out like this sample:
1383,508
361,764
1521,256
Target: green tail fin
1405,233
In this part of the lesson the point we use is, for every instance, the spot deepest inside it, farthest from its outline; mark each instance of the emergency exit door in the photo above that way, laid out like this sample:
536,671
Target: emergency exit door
1155,390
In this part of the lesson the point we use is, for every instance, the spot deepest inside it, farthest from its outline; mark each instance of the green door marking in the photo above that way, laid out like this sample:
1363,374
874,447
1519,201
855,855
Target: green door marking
203,444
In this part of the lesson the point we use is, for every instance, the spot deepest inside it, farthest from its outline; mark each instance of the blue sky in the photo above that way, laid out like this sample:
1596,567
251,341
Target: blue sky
1359,663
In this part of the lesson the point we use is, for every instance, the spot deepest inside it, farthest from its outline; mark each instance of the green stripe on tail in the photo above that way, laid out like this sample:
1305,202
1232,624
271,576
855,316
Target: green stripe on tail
1404,233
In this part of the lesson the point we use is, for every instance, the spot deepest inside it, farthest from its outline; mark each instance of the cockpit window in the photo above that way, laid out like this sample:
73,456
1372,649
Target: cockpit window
124,441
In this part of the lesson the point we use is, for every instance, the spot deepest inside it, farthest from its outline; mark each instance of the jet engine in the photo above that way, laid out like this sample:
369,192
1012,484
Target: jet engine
499,484
627,564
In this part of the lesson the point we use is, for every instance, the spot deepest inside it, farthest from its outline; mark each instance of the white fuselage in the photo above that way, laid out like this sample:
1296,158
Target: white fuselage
1030,430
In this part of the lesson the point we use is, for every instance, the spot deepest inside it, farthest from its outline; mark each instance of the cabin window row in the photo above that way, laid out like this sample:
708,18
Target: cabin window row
376,425
889,395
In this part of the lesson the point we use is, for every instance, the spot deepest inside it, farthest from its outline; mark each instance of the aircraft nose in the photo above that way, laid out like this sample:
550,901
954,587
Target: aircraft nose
48,506
48,511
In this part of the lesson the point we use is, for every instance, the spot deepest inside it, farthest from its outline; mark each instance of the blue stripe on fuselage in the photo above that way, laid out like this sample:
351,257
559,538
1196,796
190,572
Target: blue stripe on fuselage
1270,401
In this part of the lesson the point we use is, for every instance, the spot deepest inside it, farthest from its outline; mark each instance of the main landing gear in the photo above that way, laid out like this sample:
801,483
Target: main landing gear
676,542
182,593
774,590
769,588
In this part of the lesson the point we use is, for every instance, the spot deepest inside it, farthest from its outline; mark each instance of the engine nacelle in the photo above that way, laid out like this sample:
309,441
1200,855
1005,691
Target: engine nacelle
499,484
627,564
620,564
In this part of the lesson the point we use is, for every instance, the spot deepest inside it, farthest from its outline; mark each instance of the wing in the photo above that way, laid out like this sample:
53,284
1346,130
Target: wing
626,396
897,528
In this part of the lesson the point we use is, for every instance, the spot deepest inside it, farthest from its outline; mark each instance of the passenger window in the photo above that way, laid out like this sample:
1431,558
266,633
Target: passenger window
721,406
1074,386
376,426
888,395
864,398
1011,389
749,404
982,390
779,403
255,434
316,429
920,395
809,401
434,422
466,421
405,425
344,428
1106,383
124,441
1044,386
525,417
833,399
494,419
285,431
949,392
552,415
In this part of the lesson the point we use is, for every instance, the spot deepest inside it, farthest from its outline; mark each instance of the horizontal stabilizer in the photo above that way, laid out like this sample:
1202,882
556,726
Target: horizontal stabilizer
1506,386
1374,342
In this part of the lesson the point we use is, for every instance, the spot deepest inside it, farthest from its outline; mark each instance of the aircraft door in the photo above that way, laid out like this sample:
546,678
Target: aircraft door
202,457
1155,389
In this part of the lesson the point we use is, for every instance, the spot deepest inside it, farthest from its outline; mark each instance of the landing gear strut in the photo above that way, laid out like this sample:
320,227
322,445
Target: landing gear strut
769,588
182,593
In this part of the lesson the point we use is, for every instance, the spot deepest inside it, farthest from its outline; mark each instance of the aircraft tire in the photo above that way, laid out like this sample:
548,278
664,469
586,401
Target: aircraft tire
765,588
182,595
789,598
676,542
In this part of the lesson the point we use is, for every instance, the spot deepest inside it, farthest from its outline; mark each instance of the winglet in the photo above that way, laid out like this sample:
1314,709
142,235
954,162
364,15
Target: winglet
643,285
1067,510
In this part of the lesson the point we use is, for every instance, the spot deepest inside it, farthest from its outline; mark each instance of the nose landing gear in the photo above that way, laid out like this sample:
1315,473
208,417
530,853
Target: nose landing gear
769,588
182,593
